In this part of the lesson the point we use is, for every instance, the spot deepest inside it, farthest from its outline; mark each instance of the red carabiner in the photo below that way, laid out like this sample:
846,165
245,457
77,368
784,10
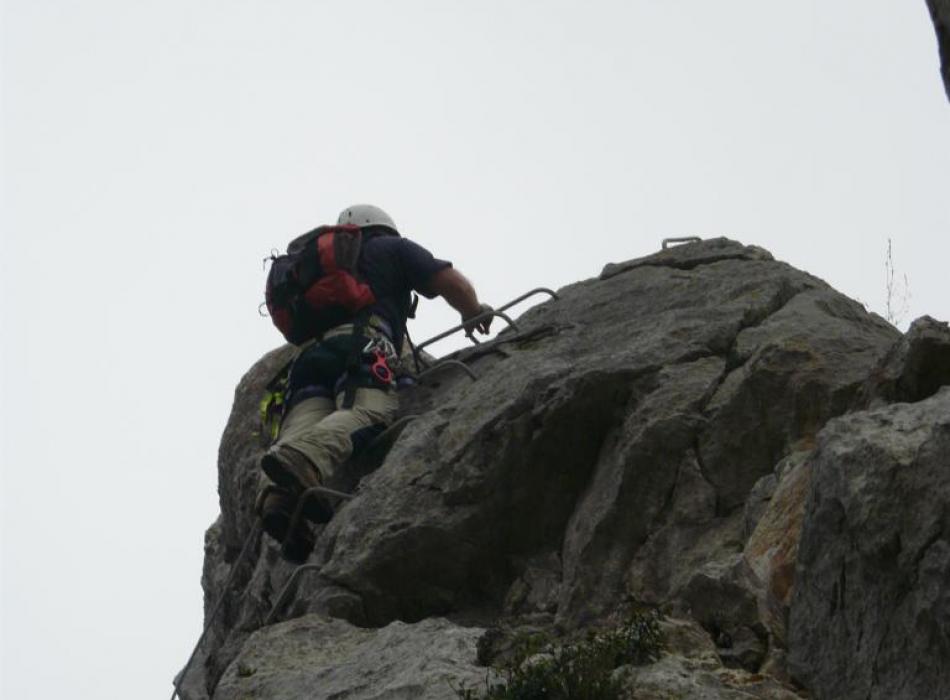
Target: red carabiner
380,368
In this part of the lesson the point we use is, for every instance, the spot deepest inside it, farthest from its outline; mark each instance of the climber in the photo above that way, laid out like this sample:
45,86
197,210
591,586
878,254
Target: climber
342,383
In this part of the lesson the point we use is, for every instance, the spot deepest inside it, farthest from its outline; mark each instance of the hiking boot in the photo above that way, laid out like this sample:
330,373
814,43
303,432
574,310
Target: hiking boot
275,506
290,469
293,471
297,546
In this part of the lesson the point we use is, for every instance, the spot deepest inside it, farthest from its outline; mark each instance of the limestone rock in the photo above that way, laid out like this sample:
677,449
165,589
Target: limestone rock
772,549
606,452
870,613
677,678
914,369
688,257
691,669
322,659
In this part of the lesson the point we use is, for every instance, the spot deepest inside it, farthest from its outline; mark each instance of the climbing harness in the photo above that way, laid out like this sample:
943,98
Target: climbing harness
381,352
380,368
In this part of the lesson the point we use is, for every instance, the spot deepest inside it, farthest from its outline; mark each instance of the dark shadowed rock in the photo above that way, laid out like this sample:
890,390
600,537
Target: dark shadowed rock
606,452
914,369
870,614
940,13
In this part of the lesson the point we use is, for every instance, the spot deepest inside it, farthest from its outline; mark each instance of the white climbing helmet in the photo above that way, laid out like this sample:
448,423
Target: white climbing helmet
366,215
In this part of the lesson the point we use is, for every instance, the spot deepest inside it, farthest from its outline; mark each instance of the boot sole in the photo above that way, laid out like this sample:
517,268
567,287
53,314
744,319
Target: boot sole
297,547
317,509
278,472
276,525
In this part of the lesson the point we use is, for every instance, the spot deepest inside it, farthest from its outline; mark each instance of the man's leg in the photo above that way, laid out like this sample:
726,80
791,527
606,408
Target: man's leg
276,503
329,443
300,421
309,453
345,429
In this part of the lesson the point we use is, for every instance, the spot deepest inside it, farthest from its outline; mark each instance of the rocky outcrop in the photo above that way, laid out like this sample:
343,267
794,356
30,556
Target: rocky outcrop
648,437
940,13
314,657
914,369
691,669
870,615
772,548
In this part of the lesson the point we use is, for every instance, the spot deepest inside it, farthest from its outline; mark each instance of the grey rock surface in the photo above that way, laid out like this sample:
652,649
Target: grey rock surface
323,659
940,13
691,670
870,614
605,453
676,678
914,369
772,547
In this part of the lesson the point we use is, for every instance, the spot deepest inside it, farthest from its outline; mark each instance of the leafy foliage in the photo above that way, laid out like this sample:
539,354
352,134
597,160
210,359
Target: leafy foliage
581,670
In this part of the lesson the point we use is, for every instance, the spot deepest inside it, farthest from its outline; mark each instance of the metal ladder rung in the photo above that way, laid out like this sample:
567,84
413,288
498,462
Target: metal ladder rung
499,312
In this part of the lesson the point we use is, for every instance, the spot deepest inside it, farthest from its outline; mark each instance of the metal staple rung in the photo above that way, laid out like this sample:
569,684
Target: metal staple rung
499,312
536,290
455,329
449,363
332,492
684,239
285,591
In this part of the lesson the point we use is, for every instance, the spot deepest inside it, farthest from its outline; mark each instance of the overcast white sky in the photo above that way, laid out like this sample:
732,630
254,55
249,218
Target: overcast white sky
154,152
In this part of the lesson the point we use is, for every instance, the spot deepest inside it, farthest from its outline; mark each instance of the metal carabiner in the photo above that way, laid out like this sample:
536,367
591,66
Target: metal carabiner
380,368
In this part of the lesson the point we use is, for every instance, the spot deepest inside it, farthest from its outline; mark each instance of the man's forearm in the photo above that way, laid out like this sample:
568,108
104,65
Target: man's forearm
451,285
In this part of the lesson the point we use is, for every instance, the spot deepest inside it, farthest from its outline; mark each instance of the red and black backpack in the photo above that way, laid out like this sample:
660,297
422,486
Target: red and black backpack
315,285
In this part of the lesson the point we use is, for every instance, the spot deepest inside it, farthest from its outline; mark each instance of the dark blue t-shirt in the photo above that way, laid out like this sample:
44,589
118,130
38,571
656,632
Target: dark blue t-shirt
395,267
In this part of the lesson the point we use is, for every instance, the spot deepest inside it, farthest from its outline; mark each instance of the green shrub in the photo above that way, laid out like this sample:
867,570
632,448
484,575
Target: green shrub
577,671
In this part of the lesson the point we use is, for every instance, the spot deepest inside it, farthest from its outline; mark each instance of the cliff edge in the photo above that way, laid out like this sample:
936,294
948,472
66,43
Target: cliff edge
705,432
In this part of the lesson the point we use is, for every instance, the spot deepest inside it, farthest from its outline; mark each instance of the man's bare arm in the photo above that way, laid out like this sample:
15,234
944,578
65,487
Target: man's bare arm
451,285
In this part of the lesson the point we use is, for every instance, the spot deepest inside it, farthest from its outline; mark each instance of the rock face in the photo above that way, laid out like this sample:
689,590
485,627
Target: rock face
319,659
940,13
647,437
870,615
914,369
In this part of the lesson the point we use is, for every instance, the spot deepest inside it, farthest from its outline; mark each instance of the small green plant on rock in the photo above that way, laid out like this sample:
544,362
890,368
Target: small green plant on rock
245,671
582,670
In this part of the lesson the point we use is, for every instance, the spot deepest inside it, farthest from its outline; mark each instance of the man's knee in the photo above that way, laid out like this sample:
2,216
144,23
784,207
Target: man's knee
361,438
371,406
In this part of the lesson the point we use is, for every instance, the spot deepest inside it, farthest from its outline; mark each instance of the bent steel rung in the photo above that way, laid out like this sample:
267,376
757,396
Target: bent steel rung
474,319
302,505
683,239
288,587
499,312
526,295
448,363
